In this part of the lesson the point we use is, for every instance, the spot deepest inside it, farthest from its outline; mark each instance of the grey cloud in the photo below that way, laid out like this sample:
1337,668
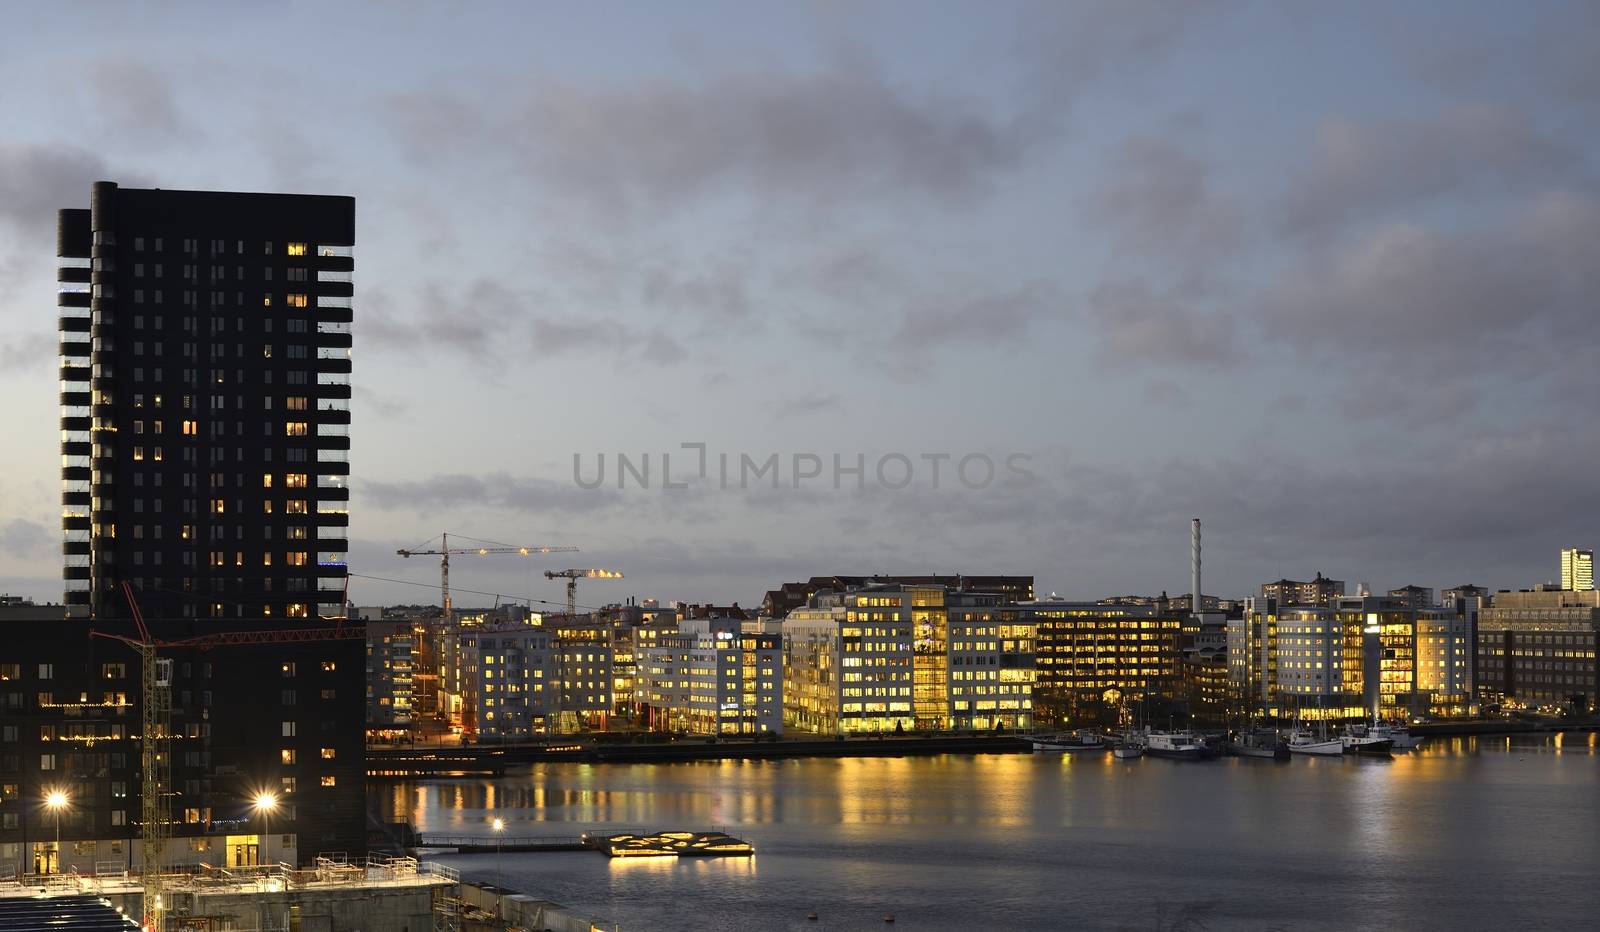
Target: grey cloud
1374,167
1138,323
492,491
136,100
38,180
24,539
986,320
488,319
1167,394
1160,197
828,136
32,351
808,404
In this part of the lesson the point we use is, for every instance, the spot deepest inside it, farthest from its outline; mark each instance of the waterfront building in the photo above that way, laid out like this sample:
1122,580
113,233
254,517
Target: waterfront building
1538,649
205,436
515,682
1577,569
1319,591
1091,656
711,677
1363,656
894,656
391,656
779,602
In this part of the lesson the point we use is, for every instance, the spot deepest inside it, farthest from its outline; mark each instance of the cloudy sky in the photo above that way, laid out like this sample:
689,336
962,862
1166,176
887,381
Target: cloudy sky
1323,275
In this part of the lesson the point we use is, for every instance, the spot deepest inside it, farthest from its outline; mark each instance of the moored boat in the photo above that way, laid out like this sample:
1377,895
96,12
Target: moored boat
1359,739
1177,745
1304,742
1081,740
1261,743
1402,737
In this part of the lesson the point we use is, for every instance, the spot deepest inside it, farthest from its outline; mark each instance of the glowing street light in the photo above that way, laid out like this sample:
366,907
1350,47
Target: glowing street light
499,826
265,802
55,801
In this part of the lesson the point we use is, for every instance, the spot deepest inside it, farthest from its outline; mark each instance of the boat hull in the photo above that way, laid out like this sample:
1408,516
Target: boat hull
1370,748
1196,752
1278,752
1050,747
1319,749
1127,753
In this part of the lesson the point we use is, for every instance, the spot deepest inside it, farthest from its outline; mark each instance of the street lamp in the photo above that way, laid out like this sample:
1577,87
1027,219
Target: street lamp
265,802
56,801
499,826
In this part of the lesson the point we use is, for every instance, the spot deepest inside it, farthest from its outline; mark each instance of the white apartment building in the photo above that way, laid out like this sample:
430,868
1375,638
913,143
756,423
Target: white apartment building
711,677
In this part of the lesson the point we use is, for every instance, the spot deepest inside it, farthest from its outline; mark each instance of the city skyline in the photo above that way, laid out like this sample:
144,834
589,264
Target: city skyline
1051,232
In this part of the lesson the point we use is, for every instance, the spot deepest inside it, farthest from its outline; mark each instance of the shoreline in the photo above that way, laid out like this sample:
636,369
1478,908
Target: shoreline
492,760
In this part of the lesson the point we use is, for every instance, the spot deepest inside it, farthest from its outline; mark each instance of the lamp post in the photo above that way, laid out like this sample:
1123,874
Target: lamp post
265,802
499,826
56,801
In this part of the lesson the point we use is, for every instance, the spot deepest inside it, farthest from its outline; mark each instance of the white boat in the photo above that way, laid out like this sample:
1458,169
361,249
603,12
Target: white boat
1131,747
1304,742
1083,739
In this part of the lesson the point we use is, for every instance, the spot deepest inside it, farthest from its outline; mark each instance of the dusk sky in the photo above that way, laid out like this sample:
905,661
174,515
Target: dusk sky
1324,276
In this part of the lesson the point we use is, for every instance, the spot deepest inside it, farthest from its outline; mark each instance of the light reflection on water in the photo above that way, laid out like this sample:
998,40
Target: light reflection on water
1465,833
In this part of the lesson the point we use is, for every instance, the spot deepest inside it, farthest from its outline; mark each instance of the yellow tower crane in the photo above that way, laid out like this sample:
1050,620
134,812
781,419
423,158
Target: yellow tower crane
444,551
572,577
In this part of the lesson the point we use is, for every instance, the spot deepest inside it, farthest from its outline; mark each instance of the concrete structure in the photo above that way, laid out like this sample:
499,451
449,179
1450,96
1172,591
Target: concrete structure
885,657
330,895
712,677
1577,569
1538,649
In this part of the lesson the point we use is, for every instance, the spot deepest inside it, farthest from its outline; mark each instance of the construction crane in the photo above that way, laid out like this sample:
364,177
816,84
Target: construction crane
572,577
155,703
445,550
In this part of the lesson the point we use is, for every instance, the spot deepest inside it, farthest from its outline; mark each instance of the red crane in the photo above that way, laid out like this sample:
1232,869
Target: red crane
156,705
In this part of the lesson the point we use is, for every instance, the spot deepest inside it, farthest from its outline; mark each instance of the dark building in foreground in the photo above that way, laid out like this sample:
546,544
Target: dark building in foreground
205,438
1539,648
205,402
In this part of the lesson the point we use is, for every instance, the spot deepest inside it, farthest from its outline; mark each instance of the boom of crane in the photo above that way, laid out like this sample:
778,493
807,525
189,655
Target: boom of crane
572,577
155,703
445,550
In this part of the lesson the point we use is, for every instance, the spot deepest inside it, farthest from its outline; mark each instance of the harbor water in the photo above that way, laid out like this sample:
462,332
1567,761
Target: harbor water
1466,833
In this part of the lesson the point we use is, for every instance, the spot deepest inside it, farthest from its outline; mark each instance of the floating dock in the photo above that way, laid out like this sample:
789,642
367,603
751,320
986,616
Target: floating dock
670,845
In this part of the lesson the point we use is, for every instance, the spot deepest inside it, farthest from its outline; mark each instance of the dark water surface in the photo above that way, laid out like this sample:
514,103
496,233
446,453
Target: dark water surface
1464,834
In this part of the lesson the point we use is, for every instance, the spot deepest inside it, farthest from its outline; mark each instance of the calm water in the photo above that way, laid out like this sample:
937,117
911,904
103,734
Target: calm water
1466,833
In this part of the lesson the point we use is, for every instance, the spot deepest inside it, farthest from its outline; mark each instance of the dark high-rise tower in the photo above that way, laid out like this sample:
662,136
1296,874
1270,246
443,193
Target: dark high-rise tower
205,402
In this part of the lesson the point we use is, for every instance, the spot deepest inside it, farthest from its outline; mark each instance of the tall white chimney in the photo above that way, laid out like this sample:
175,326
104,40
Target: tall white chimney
1195,603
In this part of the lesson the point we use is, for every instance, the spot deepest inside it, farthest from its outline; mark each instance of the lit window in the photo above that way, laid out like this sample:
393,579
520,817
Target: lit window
266,480
219,506
295,403
294,480
296,506
295,249
295,429
328,753
296,610
266,300
295,558
286,755
296,300
266,558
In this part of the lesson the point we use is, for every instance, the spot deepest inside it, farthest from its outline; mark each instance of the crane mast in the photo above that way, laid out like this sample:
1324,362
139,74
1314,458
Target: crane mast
572,577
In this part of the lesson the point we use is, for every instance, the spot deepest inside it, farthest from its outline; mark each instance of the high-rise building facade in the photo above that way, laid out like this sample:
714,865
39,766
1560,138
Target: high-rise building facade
1090,655
205,384
1539,649
205,402
1577,569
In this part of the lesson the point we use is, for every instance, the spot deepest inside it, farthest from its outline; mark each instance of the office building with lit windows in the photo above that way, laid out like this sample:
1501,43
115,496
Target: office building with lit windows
711,677
1577,569
1092,657
204,366
893,656
1539,649
512,682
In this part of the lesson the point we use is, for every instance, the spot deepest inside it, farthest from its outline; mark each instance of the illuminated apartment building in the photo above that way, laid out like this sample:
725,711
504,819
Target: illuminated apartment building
1093,656
1577,570
1319,591
896,656
391,648
711,677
